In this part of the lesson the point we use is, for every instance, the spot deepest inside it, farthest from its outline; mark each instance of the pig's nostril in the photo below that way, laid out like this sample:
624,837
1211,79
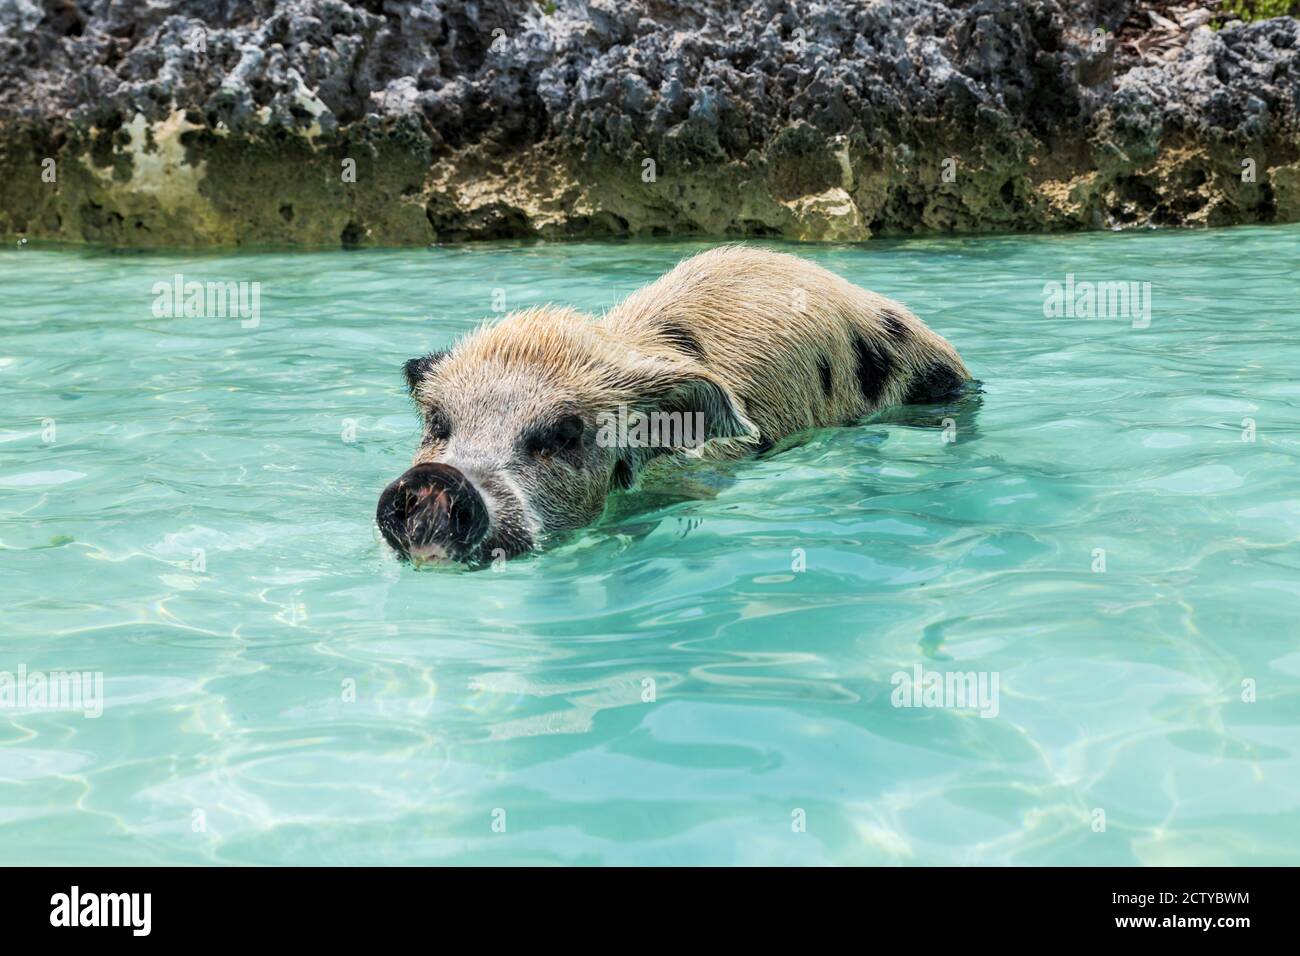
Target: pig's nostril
432,505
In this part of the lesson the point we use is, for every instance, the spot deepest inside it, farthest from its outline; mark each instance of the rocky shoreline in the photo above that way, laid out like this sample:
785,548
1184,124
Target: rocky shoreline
323,123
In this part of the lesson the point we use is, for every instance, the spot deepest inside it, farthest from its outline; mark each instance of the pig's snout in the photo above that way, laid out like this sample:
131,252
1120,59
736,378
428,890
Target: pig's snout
433,512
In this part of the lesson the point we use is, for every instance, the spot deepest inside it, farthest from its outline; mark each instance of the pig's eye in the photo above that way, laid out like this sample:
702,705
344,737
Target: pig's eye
559,436
436,426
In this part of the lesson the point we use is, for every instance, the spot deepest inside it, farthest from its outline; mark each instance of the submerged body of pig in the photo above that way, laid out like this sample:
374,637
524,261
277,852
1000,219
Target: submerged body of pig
529,424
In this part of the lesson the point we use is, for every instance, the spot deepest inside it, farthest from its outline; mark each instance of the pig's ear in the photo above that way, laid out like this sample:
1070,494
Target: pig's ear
690,393
417,368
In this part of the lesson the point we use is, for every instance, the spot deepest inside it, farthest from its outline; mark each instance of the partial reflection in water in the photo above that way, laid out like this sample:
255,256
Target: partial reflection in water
1110,531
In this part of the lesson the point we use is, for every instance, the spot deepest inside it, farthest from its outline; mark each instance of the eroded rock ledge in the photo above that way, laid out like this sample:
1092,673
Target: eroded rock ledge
320,122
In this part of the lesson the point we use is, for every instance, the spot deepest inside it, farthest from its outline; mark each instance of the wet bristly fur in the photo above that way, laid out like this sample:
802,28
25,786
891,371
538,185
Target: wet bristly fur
765,344
797,345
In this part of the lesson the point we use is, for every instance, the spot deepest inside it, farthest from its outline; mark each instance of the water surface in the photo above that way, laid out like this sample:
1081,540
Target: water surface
186,506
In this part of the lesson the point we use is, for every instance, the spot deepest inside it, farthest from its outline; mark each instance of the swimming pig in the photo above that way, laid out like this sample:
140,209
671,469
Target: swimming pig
529,423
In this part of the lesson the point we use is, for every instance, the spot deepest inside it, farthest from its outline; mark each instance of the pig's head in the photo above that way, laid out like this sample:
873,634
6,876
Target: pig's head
520,437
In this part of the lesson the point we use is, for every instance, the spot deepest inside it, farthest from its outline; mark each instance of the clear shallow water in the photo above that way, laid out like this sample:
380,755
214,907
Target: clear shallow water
228,731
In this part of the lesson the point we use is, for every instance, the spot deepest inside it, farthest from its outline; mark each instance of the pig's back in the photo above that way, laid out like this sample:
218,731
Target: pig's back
799,346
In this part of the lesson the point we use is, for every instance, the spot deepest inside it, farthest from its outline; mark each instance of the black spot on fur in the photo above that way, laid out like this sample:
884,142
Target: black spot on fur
683,340
894,325
935,383
417,368
764,444
875,367
824,369
622,474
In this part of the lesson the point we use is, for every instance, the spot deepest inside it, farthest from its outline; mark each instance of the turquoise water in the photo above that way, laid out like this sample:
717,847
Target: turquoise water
186,506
